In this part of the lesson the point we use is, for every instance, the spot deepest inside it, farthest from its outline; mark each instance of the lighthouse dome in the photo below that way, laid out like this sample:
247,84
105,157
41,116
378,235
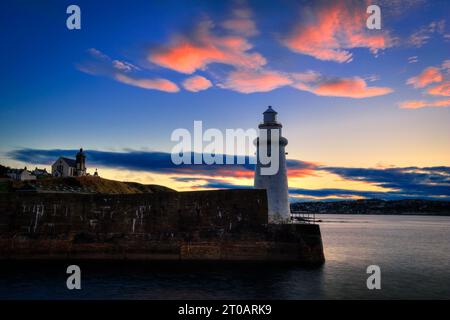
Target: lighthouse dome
270,115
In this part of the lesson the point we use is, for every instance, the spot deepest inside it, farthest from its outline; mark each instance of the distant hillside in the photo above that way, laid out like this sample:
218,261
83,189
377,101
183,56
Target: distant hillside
375,206
87,184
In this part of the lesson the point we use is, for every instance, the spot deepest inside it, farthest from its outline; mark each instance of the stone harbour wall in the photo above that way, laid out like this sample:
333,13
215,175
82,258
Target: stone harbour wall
223,225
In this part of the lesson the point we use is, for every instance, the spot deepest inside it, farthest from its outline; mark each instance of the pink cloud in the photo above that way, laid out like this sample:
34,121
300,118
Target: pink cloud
355,87
266,80
241,22
330,30
421,36
442,89
154,84
121,71
428,76
413,59
186,54
417,104
310,169
306,77
124,66
196,83
247,81
446,65
241,79
98,54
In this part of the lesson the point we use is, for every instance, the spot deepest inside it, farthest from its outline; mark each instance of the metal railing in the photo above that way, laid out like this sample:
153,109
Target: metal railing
303,217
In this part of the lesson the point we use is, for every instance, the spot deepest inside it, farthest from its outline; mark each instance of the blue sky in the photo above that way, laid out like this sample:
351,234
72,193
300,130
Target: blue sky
63,89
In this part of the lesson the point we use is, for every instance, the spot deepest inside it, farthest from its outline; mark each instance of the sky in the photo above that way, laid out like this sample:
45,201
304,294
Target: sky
366,112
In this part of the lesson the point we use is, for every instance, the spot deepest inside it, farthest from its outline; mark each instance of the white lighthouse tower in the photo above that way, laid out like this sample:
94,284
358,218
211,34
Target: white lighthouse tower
275,184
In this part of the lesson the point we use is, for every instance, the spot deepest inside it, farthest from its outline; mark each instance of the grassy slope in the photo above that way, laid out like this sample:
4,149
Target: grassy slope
94,184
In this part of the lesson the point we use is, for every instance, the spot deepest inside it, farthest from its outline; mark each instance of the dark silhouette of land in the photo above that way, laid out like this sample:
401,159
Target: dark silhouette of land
375,206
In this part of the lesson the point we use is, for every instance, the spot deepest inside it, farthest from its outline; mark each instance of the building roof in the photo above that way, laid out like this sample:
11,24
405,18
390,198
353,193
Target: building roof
70,162
40,171
270,110
16,171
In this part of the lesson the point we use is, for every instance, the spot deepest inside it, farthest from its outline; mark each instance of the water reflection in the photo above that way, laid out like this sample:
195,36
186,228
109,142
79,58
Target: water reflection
413,253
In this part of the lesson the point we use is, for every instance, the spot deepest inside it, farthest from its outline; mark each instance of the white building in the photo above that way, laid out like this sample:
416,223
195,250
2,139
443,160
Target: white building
276,184
66,167
20,174
40,173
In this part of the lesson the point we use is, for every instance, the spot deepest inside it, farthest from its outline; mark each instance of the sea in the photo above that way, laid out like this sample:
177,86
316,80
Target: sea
412,253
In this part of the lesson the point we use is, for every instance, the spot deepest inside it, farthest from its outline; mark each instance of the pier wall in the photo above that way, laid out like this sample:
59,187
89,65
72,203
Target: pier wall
225,225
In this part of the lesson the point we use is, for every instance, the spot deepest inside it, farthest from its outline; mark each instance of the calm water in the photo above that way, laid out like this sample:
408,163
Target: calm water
413,253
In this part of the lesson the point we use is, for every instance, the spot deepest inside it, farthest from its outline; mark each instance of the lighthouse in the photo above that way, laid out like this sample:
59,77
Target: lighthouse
276,183
80,163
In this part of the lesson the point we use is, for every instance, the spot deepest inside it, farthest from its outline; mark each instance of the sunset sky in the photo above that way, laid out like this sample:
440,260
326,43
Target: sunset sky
366,112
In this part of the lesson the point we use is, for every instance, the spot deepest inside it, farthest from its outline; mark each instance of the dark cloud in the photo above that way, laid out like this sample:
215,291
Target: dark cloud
405,182
217,184
187,179
414,181
159,162
340,194
331,194
151,161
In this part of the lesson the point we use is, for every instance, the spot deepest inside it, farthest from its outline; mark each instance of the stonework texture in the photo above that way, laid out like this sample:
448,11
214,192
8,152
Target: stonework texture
222,225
